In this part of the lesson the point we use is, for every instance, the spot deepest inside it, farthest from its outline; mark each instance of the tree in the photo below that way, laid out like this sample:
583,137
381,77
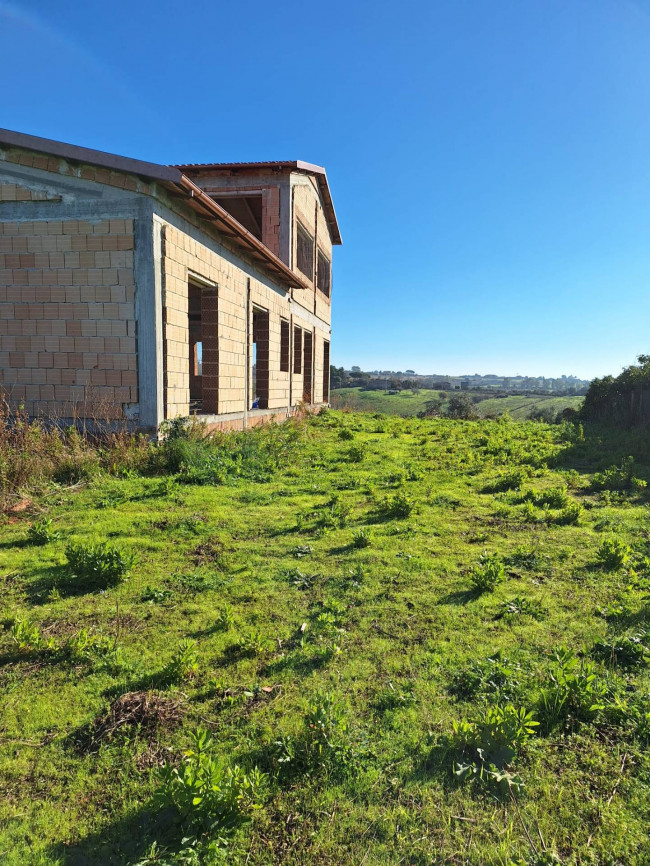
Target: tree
461,405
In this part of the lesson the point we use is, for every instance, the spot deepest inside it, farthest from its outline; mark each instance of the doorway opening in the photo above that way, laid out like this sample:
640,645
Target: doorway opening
307,367
196,350
260,360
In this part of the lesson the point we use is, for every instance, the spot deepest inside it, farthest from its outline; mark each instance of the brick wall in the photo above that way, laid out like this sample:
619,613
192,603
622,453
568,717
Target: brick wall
67,320
308,211
184,256
16,192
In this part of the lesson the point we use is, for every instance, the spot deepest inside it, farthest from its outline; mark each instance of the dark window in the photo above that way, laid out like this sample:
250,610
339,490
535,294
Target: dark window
260,359
284,346
326,371
246,209
323,275
305,252
297,350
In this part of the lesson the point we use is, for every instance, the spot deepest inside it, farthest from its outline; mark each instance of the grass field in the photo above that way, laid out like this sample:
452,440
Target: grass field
367,616
408,404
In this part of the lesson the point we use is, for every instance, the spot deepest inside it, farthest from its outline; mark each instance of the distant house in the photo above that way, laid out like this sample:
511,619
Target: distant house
160,291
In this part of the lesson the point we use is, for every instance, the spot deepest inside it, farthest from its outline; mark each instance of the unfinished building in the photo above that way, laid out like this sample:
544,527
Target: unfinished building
162,291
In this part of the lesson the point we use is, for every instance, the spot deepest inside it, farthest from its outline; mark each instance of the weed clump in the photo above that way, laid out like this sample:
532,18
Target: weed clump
102,564
397,506
613,554
489,744
209,795
488,573
42,531
574,692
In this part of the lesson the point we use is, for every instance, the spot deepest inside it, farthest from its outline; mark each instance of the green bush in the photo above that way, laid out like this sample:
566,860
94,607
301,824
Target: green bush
613,554
574,692
397,506
488,573
209,795
490,743
361,539
356,454
42,531
184,664
101,563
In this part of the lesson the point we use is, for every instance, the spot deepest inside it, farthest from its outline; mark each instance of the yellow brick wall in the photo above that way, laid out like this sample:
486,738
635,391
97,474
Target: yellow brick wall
182,256
307,210
16,192
67,318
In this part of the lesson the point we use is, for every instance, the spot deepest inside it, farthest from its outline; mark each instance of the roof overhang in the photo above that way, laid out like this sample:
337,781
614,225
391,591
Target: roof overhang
288,165
173,179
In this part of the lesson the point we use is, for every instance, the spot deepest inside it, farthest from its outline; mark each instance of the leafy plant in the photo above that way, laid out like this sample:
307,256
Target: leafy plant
618,477
208,794
356,454
103,563
397,506
496,676
28,636
42,531
184,664
488,573
574,692
362,538
490,743
625,652
613,554
153,595
568,516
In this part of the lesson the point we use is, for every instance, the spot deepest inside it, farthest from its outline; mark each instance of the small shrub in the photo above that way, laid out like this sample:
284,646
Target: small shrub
252,643
361,539
496,676
554,497
568,516
618,478
42,531
226,618
184,664
345,434
397,506
488,573
506,481
153,595
489,744
574,692
209,795
102,563
28,636
613,554
356,454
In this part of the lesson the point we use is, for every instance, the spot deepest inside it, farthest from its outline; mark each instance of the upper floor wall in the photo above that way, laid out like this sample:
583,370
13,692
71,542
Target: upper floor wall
288,207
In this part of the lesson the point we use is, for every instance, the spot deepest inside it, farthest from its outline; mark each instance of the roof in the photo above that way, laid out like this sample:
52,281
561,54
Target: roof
177,183
287,165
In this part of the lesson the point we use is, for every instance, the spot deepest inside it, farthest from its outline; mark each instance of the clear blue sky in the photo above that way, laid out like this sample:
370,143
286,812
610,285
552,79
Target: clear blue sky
489,159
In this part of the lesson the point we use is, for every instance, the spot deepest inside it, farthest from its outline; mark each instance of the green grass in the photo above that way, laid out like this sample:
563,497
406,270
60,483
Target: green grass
408,404
286,610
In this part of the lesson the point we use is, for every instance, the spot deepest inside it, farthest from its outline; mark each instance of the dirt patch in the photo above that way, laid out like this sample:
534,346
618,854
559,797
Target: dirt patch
211,552
147,711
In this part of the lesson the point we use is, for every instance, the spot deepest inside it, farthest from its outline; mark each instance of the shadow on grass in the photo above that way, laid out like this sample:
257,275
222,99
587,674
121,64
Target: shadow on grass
299,664
61,579
460,596
125,840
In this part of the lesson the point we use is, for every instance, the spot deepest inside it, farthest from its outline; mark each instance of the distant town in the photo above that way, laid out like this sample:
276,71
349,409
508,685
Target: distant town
391,380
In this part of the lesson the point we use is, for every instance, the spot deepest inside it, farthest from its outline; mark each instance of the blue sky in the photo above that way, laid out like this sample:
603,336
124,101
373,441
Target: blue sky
489,161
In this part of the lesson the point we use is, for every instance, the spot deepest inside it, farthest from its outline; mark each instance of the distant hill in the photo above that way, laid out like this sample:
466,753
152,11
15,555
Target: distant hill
408,403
